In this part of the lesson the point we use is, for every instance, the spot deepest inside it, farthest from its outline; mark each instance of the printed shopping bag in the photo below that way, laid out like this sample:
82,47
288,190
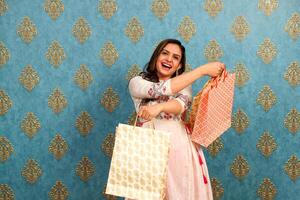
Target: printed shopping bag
139,163
212,108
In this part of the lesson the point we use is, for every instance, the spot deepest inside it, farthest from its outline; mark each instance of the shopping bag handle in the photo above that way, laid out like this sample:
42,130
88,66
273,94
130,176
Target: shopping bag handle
136,118
213,82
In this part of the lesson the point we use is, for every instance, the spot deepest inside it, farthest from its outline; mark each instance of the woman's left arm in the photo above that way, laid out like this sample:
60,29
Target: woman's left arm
175,106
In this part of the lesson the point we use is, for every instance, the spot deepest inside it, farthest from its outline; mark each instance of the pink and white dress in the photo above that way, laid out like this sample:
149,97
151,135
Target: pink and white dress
187,174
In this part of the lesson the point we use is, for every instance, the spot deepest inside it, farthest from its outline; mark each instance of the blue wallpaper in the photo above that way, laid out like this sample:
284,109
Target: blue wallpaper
106,113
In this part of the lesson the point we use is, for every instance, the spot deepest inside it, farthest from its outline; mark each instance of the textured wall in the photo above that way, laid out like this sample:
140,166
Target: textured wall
64,70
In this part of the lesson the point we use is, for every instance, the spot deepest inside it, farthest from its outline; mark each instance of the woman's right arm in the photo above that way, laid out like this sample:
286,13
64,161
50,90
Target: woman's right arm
180,82
143,89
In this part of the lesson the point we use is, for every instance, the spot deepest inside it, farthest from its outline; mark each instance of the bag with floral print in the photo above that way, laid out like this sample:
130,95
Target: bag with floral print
139,163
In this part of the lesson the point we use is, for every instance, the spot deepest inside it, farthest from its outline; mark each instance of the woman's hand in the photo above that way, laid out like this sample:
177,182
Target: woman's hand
213,69
149,112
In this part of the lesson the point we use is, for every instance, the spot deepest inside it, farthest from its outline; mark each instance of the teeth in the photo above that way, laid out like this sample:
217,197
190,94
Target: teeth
166,65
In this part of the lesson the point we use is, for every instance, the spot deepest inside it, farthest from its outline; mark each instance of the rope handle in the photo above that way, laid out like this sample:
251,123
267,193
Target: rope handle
213,82
135,121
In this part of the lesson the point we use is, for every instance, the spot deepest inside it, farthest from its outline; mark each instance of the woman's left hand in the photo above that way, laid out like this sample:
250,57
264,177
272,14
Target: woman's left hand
149,112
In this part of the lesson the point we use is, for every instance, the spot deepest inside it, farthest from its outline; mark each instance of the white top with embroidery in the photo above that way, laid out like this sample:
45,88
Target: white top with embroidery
140,89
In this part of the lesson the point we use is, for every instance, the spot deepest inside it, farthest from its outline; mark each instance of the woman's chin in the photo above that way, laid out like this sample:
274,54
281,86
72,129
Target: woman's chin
164,76
166,72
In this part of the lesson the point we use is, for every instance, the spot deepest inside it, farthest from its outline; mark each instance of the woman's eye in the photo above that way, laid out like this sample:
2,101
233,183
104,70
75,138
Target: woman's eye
164,53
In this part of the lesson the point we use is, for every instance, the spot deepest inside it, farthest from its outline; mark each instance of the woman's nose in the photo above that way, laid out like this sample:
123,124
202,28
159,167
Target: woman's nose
169,58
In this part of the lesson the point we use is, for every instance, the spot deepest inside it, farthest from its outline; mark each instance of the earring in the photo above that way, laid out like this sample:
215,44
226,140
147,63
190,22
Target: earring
177,73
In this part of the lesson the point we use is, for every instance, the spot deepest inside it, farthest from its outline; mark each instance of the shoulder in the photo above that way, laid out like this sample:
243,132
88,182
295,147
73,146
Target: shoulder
140,80
136,82
136,79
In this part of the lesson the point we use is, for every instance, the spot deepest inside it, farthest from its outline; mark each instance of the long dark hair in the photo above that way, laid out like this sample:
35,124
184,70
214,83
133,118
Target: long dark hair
150,72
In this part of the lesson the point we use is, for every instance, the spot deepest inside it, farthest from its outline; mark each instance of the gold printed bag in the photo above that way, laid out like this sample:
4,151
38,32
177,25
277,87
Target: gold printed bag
139,163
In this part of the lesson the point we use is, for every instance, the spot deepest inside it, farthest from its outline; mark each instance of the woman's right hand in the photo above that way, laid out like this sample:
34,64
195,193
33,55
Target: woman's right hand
213,69
180,82
150,112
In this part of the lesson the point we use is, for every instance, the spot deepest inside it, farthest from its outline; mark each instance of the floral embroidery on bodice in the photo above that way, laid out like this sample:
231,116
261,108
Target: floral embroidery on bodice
162,99
145,92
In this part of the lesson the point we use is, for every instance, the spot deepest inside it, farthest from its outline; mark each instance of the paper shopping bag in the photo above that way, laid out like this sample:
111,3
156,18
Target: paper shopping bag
213,109
139,163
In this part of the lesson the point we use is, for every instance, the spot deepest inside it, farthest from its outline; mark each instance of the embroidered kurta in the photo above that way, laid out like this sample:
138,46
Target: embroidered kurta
187,174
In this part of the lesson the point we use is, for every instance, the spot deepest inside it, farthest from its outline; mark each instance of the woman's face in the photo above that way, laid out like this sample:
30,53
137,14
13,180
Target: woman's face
168,61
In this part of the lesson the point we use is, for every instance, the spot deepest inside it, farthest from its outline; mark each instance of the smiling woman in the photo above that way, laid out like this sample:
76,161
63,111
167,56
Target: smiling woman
162,94
169,61
168,53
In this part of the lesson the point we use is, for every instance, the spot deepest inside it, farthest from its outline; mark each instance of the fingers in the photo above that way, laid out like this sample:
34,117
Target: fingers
221,68
216,69
144,113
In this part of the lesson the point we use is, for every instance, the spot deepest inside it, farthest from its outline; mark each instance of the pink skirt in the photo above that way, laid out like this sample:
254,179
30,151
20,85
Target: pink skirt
187,174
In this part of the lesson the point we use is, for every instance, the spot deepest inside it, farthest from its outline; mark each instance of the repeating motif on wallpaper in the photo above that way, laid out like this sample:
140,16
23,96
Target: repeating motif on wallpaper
83,78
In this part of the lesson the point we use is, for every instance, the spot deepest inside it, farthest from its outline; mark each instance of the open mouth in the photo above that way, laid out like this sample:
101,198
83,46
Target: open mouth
166,66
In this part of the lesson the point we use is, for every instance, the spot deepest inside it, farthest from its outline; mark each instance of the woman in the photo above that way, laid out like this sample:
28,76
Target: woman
162,93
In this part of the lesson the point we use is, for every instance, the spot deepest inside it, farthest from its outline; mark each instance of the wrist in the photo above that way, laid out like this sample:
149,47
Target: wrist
160,107
201,70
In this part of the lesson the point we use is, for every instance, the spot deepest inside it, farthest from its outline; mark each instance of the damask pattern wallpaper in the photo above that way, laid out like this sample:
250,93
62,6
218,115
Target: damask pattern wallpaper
64,71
